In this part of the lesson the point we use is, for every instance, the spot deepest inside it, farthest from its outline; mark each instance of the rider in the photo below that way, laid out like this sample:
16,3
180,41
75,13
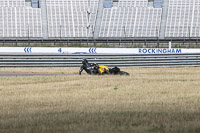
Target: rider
95,69
90,68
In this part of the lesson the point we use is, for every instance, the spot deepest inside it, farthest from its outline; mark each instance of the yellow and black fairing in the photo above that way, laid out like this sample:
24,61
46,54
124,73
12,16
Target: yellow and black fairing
103,69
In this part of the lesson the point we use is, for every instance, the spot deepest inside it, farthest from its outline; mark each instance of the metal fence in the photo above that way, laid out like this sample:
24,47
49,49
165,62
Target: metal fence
153,42
74,60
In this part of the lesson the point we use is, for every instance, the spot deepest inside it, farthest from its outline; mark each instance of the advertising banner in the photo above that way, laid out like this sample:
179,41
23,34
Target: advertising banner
73,50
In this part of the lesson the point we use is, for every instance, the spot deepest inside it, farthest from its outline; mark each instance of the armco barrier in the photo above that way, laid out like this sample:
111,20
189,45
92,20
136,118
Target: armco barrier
121,60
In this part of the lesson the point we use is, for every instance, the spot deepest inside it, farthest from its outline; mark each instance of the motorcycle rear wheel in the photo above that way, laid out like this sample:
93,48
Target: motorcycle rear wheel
123,73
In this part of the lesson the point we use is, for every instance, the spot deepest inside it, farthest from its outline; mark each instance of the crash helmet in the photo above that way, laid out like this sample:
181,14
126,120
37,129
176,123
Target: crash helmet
96,65
84,61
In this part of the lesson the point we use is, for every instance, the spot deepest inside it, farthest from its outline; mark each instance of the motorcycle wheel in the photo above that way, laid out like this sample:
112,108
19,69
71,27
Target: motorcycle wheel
123,73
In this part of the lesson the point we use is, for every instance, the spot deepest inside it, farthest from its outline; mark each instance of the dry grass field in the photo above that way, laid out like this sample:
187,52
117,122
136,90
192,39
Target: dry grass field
154,100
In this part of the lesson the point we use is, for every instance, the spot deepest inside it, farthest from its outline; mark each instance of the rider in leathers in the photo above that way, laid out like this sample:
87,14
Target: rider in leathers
90,68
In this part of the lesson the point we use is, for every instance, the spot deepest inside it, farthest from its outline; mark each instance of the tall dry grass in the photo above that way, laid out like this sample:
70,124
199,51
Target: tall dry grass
149,100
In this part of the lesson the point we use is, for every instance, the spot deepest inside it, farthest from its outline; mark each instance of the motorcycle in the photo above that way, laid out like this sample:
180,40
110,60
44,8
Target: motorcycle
95,69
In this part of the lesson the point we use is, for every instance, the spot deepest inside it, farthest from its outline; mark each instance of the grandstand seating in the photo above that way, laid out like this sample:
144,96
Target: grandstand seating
131,18
132,3
183,18
68,2
78,19
16,20
20,22
12,3
183,2
69,18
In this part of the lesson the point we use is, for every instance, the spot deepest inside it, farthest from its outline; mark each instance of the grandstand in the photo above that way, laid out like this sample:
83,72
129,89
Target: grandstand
183,18
131,22
19,21
71,18
132,3
12,3
50,19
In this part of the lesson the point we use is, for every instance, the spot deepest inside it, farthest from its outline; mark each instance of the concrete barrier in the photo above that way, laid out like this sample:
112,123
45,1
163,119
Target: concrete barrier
71,50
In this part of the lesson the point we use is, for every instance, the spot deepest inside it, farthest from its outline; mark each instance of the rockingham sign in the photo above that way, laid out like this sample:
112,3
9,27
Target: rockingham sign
73,50
159,51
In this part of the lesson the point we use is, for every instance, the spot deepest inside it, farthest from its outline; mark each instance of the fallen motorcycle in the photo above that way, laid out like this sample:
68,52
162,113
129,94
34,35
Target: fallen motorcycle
95,69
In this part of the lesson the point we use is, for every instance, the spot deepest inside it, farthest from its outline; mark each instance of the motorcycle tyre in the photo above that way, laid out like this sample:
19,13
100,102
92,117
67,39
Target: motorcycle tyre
123,73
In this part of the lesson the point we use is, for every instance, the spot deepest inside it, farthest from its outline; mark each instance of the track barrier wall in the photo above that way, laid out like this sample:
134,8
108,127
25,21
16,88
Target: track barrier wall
122,57
92,50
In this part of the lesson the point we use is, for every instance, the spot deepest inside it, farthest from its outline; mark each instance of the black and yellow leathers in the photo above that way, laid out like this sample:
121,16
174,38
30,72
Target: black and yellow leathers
95,69
90,68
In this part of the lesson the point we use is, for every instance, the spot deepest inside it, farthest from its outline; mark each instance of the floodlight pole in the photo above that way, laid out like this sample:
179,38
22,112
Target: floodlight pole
124,32
88,19
92,31
197,35
93,35
189,31
60,32
28,35
189,34
157,35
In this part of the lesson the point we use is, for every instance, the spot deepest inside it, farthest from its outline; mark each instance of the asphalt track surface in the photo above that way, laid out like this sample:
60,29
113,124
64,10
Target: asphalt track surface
9,74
